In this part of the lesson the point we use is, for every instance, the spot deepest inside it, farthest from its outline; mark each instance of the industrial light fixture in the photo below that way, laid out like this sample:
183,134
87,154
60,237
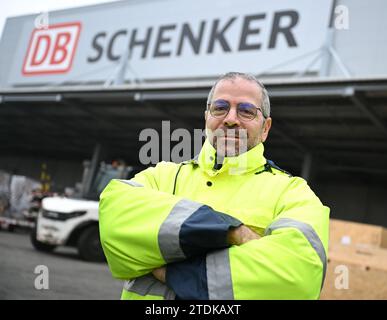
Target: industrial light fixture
31,98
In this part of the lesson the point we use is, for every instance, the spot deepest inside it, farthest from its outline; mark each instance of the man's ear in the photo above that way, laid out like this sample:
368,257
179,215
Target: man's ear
266,128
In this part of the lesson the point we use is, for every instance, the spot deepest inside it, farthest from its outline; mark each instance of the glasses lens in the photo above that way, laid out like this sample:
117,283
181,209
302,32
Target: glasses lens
247,111
219,108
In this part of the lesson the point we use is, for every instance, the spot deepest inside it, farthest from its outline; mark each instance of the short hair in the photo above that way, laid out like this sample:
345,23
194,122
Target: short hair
249,77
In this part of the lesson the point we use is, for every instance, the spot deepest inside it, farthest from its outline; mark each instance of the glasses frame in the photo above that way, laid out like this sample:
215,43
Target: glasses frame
229,108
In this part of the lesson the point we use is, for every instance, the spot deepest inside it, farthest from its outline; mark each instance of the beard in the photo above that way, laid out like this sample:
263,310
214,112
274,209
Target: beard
229,142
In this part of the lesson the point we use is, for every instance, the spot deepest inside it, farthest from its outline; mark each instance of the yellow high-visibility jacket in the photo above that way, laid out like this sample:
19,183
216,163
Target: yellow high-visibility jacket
179,215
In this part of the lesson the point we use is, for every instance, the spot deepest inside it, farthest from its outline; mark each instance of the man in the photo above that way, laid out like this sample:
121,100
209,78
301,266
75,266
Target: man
226,225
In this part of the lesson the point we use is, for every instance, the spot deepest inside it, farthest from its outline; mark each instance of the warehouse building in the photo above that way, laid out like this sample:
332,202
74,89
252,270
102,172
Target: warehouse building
84,83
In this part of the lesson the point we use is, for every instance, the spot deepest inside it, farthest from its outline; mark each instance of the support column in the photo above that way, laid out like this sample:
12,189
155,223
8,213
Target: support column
307,167
90,170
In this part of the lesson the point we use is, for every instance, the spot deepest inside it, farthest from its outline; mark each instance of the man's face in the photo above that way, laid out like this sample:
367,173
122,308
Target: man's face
230,135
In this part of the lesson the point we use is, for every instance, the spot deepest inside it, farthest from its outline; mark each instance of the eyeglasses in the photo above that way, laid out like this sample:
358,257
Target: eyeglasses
245,110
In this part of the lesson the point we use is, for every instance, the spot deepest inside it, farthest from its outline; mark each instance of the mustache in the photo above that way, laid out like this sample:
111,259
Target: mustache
227,132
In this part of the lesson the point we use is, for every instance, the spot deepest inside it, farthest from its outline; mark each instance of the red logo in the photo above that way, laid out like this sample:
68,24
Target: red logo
52,50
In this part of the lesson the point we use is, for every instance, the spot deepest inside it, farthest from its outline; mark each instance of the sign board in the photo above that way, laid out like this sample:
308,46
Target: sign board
165,40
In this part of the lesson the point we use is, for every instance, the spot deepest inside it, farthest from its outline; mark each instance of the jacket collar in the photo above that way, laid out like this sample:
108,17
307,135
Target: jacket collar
243,163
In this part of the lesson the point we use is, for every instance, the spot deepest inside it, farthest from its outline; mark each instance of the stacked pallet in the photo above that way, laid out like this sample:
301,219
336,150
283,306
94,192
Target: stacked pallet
357,262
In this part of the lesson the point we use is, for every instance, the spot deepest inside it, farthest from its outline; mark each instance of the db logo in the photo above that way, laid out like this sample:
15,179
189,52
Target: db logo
52,50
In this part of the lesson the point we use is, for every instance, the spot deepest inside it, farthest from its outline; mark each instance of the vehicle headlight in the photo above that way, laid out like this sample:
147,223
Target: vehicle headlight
54,215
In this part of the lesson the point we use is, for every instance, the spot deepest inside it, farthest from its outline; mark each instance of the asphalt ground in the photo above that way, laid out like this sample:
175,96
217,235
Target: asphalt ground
22,276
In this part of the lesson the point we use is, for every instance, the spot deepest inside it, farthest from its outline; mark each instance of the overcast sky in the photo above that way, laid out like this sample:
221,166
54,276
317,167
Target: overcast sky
10,8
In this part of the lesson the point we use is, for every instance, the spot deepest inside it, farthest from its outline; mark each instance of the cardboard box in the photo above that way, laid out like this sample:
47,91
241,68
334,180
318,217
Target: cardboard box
362,267
349,233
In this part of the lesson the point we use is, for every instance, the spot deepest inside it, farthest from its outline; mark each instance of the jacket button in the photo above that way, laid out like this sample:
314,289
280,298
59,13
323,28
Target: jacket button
209,183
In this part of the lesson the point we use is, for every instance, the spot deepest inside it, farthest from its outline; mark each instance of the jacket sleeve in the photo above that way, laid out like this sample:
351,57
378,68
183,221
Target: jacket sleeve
142,228
289,262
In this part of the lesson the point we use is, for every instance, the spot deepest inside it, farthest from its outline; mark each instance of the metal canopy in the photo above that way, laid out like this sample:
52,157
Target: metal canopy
340,124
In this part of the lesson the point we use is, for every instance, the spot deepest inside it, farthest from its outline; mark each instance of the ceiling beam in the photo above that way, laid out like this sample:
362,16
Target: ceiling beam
361,104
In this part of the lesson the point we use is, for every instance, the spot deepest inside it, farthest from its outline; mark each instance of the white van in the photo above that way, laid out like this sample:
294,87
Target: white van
74,222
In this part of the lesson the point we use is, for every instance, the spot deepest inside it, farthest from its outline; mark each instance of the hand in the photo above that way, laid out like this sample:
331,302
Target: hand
159,274
241,235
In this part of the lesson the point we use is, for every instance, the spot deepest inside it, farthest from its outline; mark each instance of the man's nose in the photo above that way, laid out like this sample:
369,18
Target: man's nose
232,118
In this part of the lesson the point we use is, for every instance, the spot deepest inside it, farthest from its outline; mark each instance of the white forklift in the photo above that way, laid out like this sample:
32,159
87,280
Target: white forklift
65,221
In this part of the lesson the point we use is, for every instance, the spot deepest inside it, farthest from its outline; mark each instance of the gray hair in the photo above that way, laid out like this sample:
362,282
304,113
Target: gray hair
249,77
